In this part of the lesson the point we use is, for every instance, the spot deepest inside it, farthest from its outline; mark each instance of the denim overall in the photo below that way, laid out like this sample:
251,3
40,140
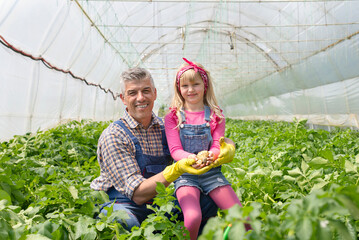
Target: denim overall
149,166
196,138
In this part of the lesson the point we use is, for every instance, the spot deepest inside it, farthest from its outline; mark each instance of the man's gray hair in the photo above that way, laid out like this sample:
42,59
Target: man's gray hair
136,73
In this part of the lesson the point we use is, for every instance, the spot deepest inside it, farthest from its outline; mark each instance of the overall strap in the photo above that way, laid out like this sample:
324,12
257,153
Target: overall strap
133,138
207,113
183,115
166,150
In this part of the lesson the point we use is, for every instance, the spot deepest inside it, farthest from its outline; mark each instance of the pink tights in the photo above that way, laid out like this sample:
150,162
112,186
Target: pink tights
188,198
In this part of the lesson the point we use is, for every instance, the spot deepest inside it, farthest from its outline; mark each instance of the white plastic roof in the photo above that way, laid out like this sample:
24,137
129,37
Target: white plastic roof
61,59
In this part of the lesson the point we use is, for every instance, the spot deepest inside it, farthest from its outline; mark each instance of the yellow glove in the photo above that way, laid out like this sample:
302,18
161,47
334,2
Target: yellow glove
226,153
175,170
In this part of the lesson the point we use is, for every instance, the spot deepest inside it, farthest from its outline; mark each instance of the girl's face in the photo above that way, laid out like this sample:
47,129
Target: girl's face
192,90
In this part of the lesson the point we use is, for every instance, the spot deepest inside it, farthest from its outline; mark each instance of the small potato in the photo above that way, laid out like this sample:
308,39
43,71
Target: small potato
202,157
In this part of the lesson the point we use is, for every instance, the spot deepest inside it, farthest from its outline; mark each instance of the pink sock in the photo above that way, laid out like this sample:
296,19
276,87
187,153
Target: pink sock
188,198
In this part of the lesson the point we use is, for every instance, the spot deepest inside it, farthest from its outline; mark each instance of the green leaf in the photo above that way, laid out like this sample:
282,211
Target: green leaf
136,232
82,227
160,188
237,231
31,211
6,196
5,228
350,205
318,161
89,235
100,226
319,185
47,228
234,211
160,226
295,172
327,154
315,174
289,178
240,171
323,231
304,166
36,237
101,196
259,171
304,229
341,228
211,228
149,231
306,157
276,173
118,215
349,167
74,192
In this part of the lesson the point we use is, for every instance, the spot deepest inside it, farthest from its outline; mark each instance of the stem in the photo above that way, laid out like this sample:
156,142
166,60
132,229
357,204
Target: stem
117,231
271,199
295,132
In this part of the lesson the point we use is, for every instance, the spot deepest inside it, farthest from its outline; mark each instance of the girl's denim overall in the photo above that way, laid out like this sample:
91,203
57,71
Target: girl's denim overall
196,138
149,166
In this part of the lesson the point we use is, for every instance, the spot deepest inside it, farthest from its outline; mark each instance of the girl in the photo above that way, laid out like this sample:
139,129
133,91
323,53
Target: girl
196,123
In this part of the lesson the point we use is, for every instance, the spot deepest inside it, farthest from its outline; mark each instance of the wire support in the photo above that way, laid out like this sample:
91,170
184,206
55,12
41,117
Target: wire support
99,31
51,66
230,26
216,1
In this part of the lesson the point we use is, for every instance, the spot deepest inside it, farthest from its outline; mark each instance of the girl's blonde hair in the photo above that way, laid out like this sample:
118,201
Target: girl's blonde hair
209,98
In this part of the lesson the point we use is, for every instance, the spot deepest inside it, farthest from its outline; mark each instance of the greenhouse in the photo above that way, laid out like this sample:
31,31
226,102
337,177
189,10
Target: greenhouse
284,72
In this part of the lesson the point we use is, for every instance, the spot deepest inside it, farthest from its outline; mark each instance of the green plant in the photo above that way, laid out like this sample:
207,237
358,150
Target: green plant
293,182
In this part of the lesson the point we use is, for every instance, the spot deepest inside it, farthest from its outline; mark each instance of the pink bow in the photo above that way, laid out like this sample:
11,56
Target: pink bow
196,68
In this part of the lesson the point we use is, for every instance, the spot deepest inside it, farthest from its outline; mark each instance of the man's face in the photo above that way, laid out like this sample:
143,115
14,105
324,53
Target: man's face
139,97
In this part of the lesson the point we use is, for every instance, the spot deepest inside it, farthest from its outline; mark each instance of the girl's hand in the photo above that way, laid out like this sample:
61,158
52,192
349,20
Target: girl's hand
227,152
192,156
196,166
210,158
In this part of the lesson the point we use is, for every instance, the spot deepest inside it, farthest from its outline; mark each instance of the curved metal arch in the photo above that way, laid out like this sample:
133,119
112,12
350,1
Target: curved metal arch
222,32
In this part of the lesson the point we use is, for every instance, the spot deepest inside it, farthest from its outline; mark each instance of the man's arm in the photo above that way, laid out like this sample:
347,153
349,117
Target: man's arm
147,189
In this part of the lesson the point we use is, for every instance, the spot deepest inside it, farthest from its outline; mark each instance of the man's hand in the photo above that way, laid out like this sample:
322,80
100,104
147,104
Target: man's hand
226,153
175,170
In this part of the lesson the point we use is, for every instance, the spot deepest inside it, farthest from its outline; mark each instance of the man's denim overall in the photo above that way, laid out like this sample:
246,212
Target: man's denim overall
196,138
150,166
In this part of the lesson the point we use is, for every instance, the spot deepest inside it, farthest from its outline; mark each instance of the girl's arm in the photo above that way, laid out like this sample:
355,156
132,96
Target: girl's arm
173,138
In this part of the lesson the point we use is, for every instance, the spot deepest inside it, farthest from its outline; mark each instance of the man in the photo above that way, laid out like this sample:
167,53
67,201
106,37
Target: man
133,154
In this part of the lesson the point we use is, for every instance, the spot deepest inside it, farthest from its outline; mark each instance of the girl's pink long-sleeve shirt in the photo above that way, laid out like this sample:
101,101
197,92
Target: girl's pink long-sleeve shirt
195,118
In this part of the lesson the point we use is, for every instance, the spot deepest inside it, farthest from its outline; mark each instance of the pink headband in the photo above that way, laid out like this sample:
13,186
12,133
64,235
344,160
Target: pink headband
191,65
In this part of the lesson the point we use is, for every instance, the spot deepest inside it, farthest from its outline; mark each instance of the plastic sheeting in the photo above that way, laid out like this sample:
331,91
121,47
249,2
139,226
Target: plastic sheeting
34,96
271,60
323,89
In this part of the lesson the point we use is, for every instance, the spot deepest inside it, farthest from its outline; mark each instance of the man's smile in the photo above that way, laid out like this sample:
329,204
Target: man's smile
142,106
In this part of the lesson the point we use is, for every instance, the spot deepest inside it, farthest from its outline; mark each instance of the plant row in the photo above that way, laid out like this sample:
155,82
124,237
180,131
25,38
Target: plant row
293,182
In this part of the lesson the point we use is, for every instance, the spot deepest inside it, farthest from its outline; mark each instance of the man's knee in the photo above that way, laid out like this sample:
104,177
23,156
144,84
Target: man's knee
127,219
